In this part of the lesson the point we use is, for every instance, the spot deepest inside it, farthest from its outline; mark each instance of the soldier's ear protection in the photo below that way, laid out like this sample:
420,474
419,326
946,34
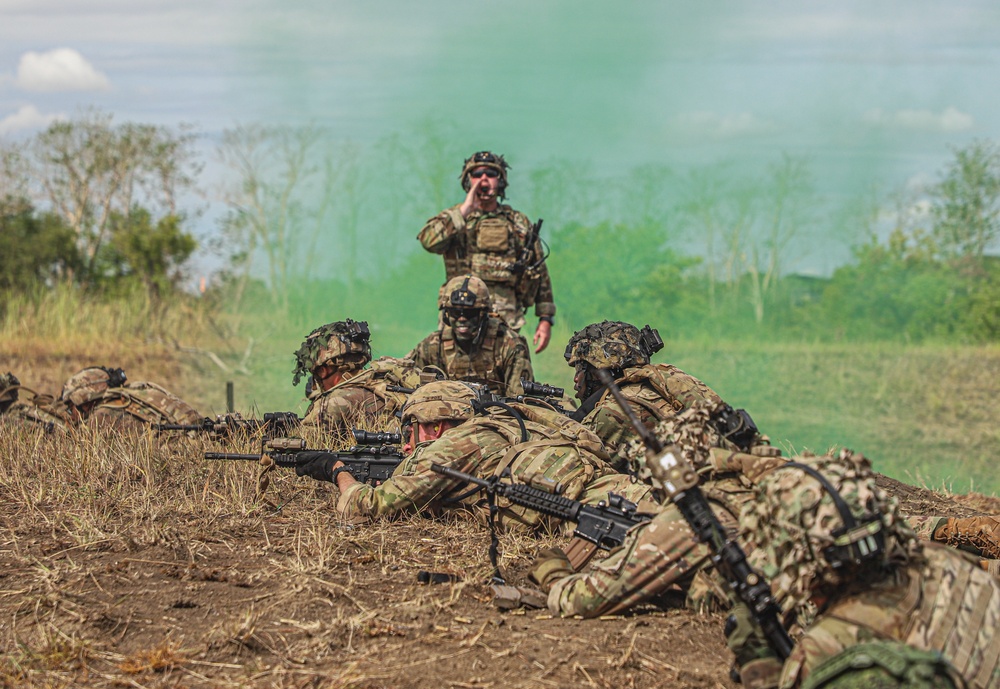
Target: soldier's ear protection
856,546
116,376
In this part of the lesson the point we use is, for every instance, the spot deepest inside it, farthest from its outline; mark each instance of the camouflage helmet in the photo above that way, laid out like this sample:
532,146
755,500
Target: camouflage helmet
465,292
813,537
442,400
612,345
342,344
90,383
487,160
8,389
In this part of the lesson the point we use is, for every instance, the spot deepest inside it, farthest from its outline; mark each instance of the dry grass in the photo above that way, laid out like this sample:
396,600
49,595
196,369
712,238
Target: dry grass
125,560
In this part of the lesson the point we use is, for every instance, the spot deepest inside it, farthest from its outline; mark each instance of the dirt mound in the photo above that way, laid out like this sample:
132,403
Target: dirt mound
917,501
129,561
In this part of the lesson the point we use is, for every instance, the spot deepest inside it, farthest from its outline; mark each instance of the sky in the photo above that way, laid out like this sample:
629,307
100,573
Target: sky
870,92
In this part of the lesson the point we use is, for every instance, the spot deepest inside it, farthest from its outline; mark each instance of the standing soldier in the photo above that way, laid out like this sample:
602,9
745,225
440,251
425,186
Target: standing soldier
473,345
495,243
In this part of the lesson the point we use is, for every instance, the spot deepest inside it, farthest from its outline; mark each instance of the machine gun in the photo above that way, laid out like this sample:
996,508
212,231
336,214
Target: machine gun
674,476
366,463
277,423
604,524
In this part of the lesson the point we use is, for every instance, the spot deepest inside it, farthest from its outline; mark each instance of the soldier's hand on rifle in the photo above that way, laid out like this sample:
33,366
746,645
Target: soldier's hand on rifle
319,468
543,333
754,655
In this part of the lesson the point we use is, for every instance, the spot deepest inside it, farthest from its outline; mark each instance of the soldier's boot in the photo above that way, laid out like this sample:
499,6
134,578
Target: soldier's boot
991,566
977,535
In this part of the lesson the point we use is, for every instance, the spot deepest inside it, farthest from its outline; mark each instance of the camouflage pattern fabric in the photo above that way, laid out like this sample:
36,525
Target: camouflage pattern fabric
941,601
500,361
885,664
663,553
488,245
363,397
139,404
44,411
484,446
655,392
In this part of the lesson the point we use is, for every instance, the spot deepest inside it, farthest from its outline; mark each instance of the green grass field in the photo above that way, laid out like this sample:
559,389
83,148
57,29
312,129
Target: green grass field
924,414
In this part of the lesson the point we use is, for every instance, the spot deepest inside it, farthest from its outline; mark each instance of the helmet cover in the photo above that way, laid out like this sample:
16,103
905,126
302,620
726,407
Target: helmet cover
442,400
342,344
90,383
488,160
795,520
612,345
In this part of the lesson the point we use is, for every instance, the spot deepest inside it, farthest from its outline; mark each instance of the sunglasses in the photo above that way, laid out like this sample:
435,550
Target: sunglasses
468,314
489,172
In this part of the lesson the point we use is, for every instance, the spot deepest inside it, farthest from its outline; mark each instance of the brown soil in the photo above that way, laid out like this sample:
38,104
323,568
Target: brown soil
132,563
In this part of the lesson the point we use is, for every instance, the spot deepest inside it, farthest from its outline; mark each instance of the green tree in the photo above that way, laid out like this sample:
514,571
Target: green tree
38,249
150,253
92,171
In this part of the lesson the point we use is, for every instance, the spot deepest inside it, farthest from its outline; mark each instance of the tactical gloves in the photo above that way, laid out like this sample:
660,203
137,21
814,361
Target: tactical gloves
320,468
550,565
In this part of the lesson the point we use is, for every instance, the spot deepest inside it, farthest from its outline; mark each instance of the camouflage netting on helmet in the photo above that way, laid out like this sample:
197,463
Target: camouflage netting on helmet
443,400
465,292
607,345
691,431
792,519
342,344
485,159
90,383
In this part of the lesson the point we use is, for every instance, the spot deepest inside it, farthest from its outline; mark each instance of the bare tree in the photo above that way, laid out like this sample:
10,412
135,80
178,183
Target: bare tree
90,170
784,207
280,200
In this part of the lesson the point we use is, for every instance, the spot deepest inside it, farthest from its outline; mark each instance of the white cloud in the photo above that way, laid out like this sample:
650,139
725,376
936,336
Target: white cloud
710,124
62,69
27,117
948,120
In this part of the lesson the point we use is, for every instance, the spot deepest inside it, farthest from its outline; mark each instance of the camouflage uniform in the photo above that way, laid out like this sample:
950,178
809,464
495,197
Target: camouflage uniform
559,451
474,346
501,361
100,396
488,246
41,410
896,595
655,392
364,396
663,552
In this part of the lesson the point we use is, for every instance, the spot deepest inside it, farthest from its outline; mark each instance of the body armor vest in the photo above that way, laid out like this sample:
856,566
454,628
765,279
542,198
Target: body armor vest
949,604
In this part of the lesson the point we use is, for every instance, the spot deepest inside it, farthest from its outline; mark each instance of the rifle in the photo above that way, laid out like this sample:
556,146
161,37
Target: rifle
274,423
535,394
367,464
604,524
523,261
678,480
